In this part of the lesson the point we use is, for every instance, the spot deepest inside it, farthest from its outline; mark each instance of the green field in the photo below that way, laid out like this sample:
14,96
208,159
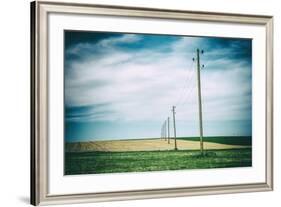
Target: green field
114,162
93,162
233,140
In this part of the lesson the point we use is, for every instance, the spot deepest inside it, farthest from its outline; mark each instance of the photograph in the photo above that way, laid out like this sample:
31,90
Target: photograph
136,102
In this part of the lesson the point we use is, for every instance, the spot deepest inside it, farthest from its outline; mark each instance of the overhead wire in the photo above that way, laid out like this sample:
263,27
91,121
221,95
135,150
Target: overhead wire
189,76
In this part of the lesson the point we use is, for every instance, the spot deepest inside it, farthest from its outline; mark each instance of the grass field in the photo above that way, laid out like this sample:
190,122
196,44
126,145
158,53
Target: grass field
114,162
232,140
156,155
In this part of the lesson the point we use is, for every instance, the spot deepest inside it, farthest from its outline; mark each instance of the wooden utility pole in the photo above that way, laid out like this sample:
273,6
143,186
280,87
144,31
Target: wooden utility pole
168,130
162,135
199,100
174,121
165,131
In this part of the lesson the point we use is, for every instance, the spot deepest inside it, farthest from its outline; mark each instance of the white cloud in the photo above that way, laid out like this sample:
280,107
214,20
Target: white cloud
102,45
128,38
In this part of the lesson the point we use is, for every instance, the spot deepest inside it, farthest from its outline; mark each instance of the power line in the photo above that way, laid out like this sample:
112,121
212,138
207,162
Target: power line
186,85
188,96
189,77
191,87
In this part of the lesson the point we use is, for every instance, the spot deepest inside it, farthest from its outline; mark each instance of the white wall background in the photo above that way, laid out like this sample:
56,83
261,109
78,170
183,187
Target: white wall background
14,108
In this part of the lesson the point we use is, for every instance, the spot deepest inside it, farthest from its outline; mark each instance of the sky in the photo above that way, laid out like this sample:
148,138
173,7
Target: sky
123,86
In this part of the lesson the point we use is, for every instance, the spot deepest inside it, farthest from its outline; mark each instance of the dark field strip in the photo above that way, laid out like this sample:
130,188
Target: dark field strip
117,162
232,140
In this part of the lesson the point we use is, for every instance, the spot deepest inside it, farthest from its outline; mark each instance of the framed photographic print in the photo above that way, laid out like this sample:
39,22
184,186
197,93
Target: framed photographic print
134,103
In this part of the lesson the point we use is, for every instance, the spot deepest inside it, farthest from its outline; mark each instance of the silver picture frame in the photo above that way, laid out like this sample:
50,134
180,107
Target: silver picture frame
39,100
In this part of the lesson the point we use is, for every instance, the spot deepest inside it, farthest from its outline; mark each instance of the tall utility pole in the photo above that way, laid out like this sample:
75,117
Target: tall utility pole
175,133
168,130
199,100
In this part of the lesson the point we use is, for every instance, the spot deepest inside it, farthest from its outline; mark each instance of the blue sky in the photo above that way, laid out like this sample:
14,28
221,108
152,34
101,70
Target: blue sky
122,86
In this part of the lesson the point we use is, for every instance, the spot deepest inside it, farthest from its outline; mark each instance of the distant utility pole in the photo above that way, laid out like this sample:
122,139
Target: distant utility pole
162,136
168,130
175,133
165,131
199,99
